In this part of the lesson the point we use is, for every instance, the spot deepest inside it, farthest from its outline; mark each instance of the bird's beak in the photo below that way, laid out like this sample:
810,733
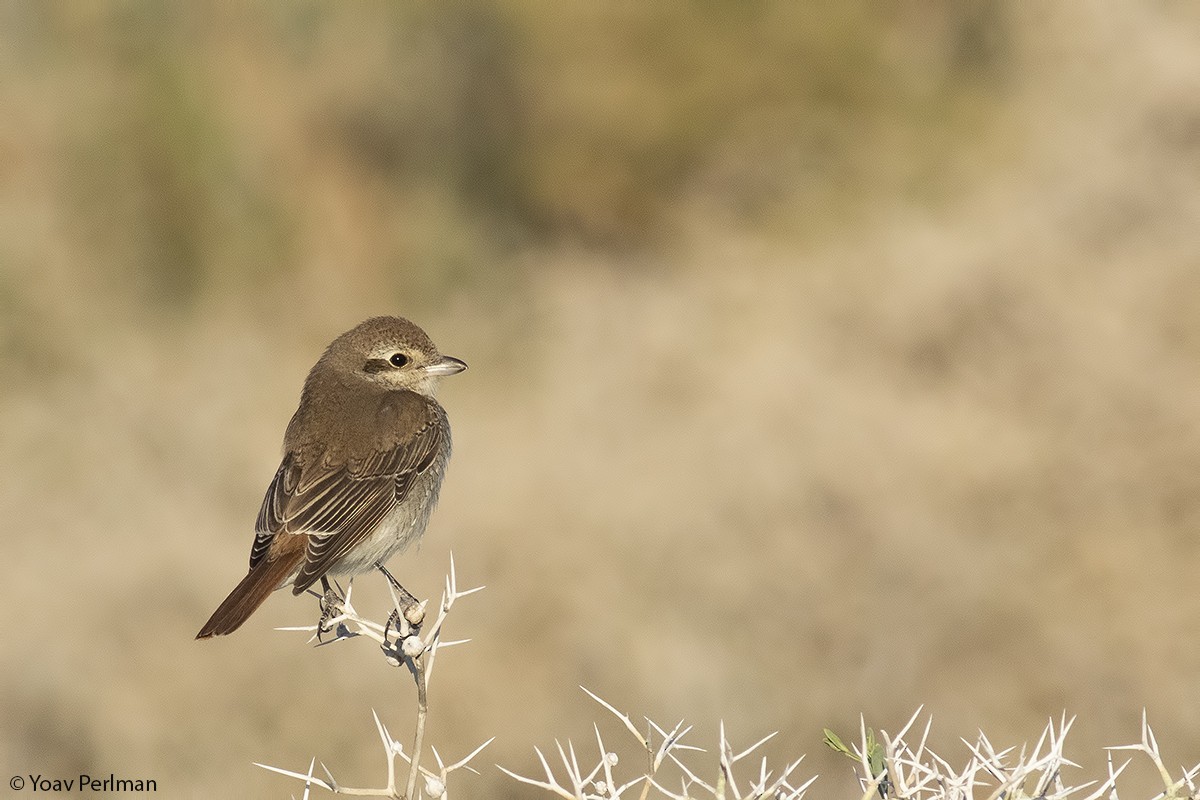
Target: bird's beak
449,365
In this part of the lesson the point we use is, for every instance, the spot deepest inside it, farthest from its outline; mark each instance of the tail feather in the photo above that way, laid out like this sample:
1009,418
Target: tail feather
249,594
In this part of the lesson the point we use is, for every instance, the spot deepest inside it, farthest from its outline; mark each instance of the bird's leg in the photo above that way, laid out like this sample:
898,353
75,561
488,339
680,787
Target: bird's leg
413,613
406,597
331,602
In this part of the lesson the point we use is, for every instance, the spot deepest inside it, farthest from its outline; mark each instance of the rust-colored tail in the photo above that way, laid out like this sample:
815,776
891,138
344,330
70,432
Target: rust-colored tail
251,593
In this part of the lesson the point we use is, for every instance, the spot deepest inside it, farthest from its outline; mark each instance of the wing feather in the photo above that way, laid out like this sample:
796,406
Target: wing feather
339,505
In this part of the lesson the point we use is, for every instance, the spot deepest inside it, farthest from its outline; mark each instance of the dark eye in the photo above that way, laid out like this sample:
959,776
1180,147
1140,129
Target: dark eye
398,359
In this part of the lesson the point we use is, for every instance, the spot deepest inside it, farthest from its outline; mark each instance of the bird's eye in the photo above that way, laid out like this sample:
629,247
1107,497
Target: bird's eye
398,359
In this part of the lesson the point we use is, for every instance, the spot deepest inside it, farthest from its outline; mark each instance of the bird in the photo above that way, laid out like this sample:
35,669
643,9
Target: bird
363,461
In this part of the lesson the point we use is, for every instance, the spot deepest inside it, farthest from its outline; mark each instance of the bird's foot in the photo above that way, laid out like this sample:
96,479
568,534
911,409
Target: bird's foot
406,597
405,619
406,602
331,606
408,644
389,647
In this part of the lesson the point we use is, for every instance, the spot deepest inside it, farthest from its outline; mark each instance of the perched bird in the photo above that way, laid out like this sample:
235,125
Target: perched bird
363,461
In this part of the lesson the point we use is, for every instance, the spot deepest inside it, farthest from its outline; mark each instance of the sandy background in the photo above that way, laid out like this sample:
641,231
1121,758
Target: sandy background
825,359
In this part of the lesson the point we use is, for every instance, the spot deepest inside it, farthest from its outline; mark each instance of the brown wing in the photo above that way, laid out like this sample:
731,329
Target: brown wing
339,505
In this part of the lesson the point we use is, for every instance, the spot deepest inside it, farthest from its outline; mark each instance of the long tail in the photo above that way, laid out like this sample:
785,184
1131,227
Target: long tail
251,593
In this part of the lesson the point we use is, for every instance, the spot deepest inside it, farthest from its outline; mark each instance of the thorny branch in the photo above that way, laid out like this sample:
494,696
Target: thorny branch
405,641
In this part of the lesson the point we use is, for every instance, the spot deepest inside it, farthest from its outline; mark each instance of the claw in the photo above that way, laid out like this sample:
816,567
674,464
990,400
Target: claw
392,649
331,602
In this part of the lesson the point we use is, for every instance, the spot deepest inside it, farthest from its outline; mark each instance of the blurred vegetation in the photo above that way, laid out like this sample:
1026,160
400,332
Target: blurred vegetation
826,358
505,124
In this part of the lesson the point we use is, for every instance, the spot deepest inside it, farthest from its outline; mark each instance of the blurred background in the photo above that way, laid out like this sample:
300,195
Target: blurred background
827,359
